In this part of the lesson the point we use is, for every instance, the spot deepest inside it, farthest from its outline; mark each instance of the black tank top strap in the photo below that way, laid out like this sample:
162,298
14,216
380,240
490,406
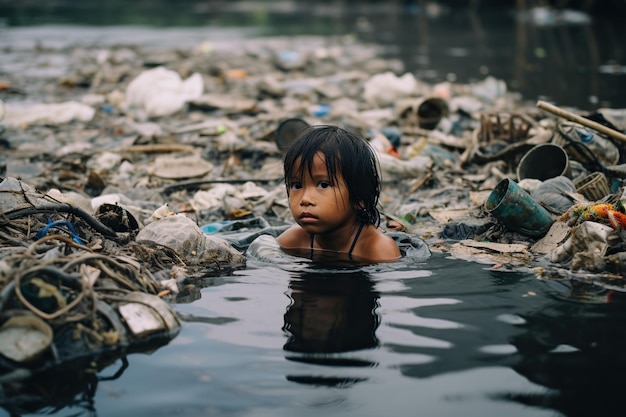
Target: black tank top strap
356,237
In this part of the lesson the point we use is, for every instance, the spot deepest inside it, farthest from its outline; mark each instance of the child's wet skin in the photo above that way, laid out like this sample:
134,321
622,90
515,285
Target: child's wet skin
320,204
333,187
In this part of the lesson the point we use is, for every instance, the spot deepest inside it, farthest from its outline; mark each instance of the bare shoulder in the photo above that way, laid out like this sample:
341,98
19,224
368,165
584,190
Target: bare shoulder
378,246
294,237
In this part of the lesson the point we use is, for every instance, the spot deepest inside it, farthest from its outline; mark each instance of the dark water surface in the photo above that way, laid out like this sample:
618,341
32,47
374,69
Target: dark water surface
442,338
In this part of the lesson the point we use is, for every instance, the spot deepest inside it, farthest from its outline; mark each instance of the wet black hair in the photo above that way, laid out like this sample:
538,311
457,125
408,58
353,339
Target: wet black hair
347,154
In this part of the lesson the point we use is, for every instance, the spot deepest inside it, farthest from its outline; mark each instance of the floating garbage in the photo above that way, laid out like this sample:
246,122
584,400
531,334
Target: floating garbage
588,237
543,162
185,237
81,287
162,92
586,146
51,113
518,210
424,112
180,167
593,186
288,131
108,219
385,89
24,338
145,315
557,194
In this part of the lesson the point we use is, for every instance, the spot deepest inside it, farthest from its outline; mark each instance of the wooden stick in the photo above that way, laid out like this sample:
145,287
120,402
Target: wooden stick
581,120
160,148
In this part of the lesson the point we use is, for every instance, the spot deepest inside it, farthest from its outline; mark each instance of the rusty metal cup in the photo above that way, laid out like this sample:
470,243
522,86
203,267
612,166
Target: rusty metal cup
517,210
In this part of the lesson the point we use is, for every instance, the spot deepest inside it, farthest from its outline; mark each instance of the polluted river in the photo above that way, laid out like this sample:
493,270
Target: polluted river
142,191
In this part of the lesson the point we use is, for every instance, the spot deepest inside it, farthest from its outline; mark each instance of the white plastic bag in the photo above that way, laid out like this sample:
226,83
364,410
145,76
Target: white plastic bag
384,89
161,92
53,113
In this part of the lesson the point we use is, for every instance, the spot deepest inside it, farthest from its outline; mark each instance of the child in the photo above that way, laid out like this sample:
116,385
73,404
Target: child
333,187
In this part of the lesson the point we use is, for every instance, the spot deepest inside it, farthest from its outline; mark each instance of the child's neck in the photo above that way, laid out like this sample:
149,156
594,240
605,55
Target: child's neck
339,240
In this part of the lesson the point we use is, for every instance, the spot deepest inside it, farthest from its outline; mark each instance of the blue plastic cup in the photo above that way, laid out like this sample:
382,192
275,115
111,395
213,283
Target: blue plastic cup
517,210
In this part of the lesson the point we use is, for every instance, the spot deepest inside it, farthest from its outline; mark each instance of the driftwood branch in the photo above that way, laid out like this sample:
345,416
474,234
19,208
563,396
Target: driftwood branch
581,120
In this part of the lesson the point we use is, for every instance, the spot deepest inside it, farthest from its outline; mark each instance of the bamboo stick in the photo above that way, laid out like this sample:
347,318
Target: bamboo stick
160,148
581,120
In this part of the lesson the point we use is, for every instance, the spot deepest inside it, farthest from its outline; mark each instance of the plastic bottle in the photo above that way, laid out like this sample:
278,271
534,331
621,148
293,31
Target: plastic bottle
602,148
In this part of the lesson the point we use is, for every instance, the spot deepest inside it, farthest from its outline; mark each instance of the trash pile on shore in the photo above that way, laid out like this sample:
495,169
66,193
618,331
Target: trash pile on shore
121,177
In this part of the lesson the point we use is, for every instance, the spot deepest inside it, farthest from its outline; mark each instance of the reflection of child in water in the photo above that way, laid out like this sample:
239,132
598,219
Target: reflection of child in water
333,187
331,314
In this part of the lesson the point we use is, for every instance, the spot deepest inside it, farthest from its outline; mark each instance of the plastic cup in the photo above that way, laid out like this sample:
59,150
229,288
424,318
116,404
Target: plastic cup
585,146
517,210
425,112
430,111
543,162
288,131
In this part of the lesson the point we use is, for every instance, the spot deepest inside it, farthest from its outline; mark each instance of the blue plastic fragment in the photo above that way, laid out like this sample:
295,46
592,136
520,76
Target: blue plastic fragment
58,225
321,110
289,56
214,227
107,108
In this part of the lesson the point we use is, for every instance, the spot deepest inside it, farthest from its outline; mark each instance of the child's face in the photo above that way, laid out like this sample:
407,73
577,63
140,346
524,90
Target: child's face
318,203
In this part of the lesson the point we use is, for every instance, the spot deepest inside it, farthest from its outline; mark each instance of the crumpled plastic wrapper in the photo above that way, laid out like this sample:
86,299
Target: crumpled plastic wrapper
183,235
589,237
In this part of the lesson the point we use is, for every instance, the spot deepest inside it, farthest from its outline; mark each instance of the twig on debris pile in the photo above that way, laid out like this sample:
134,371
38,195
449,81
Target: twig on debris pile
31,248
581,120
185,185
159,148
65,208
469,151
421,181
124,274
13,241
